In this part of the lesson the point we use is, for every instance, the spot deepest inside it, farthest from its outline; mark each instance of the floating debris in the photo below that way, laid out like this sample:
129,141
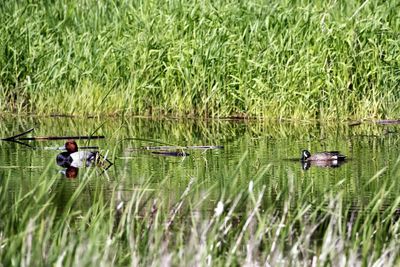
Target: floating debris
172,148
171,153
18,137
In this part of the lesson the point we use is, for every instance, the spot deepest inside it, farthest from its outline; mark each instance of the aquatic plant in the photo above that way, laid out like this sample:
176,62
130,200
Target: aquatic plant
41,225
279,59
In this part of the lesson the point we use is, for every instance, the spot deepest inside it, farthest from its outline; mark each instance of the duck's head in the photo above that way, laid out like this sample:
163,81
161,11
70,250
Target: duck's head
71,146
305,154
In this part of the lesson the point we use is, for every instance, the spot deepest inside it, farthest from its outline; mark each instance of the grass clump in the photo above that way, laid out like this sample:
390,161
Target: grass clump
238,227
280,59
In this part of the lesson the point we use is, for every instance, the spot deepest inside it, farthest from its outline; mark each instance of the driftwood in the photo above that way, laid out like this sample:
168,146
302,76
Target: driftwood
174,151
63,148
171,153
172,148
388,122
354,123
14,137
381,122
40,138
18,137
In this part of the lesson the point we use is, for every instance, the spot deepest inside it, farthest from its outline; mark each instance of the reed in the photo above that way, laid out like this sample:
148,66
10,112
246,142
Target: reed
281,59
42,226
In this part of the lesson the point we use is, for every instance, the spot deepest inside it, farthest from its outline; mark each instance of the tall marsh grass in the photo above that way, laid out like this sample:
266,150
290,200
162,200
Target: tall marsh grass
241,227
279,59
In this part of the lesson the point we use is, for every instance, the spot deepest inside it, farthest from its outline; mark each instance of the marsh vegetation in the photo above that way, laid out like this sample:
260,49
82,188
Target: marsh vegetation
251,203
282,59
248,204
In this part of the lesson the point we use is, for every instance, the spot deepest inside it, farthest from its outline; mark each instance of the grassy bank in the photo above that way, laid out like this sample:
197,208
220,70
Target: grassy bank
141,226
279,59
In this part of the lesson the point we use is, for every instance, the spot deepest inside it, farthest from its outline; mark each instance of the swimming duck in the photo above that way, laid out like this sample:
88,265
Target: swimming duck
322,156
76,158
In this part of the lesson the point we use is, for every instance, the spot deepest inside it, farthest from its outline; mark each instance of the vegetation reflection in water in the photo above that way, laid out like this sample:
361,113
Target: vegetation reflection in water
248,203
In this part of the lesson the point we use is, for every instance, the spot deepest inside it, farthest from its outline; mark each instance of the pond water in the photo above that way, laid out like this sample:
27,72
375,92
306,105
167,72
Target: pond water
259,153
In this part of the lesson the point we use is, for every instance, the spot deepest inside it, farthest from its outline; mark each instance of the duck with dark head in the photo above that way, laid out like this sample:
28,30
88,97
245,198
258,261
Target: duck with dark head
322,159
321,156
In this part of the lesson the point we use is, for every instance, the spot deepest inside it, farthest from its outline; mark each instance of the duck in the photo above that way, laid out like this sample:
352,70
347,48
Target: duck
76,158
333,156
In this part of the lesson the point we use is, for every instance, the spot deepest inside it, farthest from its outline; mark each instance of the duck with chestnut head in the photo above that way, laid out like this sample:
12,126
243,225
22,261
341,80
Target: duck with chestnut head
76,158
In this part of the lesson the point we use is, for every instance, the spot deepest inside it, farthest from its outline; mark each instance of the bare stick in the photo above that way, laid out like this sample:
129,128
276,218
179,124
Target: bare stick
388,122
17,135
39,138
172,147
63,148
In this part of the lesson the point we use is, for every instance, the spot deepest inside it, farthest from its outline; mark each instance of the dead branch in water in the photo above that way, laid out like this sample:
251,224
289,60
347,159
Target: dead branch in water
63,148
172,148
388,122
14,137
171,153
41,138
381,122
18,137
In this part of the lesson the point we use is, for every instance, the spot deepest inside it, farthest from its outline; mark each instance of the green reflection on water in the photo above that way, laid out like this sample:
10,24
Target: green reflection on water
264,152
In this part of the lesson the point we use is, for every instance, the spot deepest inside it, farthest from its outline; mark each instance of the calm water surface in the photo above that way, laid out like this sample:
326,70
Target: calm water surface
263,152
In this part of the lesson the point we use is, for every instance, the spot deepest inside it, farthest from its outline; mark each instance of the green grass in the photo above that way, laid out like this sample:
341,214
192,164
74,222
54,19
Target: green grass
100,224
218,211
279,59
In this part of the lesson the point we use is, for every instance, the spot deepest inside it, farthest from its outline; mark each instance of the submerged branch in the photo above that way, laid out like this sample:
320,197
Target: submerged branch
17,137
63,147
12,138
39,138
388,122
172,148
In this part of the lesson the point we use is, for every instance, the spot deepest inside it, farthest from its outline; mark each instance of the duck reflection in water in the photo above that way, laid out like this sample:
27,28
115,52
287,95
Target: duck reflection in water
73,159
330,159
326,164
64,160
70,172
